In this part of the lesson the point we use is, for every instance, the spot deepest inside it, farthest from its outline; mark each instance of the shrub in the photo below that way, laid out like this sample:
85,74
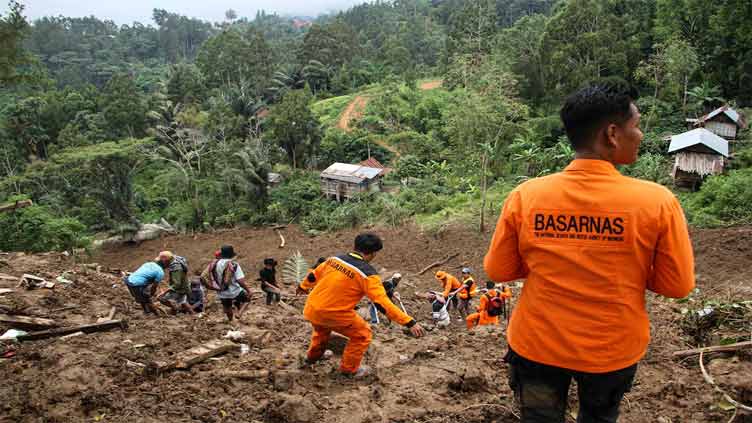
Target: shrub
36,229
722,200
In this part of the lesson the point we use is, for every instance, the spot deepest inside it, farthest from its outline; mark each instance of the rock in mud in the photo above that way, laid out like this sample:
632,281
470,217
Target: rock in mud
296,409
470,380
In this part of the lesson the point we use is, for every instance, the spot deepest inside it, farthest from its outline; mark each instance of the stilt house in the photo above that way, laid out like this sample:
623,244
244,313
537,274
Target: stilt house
698,153
723,121
343,181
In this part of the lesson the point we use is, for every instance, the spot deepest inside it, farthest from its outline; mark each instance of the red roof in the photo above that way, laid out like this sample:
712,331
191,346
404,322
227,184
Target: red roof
371,162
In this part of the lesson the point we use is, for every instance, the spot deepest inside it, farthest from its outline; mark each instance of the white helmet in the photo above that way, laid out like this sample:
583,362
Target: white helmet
467,270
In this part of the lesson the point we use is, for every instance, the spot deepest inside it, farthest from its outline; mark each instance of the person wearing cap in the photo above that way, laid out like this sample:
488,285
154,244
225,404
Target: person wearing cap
589,243
338,285
450,284
178,286
226,276
390,286
268,279
142,284
466,293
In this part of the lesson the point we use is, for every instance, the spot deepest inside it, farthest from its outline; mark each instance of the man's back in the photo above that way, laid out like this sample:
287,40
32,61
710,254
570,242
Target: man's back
589,241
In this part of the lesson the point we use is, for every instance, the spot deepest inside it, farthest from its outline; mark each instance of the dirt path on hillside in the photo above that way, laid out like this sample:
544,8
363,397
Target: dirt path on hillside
431,85
447,376
353,111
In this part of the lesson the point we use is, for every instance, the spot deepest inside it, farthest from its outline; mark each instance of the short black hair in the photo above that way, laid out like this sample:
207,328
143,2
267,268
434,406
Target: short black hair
319,261
368,243
596,104
490,285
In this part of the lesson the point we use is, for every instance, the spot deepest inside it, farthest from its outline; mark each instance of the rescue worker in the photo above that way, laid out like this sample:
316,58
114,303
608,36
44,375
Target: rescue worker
142,284
589,243
450,284
485,315
178,285
390,287
268,279
336,286
467,292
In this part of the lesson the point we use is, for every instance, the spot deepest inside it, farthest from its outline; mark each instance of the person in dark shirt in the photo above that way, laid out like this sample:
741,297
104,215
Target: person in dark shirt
390,286
268,278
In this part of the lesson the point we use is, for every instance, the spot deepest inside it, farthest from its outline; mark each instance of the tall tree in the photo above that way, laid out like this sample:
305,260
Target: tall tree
292,125
13,30
124,107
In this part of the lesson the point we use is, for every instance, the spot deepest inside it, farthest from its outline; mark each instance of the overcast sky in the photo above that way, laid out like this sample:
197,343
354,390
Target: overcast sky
128,11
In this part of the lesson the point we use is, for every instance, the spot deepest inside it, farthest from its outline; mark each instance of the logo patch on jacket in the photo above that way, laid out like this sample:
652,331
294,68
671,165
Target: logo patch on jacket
605,228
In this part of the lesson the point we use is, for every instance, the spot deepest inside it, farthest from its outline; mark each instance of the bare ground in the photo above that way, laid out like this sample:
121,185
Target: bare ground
448,376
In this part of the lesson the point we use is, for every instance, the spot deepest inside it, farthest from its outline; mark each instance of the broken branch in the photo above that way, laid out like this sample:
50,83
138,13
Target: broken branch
438,263
281,238
709,380
718,348
91,328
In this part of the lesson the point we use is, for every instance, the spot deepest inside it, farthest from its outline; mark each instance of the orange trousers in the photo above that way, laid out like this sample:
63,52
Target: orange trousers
478,319
360,338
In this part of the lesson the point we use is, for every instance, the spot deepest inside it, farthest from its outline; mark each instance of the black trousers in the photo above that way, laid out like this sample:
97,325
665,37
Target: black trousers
541,391
272,296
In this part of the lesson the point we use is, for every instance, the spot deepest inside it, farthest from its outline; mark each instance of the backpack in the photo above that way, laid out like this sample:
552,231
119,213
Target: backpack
209,276
495,305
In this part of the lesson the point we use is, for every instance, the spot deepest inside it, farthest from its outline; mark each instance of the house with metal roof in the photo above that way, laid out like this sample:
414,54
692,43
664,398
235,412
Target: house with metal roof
343,181
723,121
698,153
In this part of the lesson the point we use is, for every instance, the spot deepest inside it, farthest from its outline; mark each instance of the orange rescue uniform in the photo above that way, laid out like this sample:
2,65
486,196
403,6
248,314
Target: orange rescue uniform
464,294
481,317
336,286
589,241
449,282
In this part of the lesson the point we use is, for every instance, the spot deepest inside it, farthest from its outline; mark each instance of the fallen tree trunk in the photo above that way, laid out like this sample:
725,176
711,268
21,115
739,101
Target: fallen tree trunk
719,348
16,205
438,263
90,328
27,322
195,355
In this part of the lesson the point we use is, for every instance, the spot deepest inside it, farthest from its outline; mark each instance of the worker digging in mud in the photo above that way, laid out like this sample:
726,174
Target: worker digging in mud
390,287
226,276
335,287
268,279
492,305
178,286
589,243
142,284
450,284
466,293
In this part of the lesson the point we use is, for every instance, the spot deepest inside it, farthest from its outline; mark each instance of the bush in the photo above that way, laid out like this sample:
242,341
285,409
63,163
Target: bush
723,200
37,229
651,167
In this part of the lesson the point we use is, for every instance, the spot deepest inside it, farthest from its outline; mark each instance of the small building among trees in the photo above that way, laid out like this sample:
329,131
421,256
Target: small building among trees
698,153
342,181
723,121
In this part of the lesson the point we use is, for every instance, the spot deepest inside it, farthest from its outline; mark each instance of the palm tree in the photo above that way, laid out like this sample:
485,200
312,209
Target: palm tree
290,77
706,96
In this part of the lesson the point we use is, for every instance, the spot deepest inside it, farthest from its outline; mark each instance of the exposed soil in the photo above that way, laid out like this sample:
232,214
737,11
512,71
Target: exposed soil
431,85
447,376
353,111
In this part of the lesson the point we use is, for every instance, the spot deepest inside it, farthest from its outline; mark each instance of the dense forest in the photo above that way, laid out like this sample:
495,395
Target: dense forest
106,127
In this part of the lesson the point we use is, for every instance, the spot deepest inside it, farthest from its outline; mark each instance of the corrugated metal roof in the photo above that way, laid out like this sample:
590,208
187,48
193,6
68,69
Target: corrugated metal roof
699,136
350,173
728,111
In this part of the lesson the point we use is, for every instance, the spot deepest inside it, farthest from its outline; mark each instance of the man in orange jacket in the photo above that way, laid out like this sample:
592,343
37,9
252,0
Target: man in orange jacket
336,286
589,243
450,284
488,314
466,294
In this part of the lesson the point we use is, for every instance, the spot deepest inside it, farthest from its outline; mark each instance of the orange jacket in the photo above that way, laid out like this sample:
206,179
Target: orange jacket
485,319
449,282
464,294
589,241
338,285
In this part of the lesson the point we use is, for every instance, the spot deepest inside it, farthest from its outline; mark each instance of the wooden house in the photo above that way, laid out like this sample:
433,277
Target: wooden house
698,153
371,162
343,181
723,121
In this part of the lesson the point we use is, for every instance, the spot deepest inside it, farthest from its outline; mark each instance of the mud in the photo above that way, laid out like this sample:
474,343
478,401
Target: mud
447,376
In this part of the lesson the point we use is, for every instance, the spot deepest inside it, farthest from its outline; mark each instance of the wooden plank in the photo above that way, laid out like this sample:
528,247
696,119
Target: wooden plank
719,348
27,322
203,352
109,316
16,205
90,328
